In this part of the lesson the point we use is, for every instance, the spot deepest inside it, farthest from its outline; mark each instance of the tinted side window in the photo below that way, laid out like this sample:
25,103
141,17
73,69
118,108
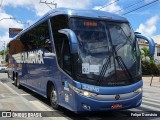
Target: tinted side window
37,38
61,43
66,56
16,46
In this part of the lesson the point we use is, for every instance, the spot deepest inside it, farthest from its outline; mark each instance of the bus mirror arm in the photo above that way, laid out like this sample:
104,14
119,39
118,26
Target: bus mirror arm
150,41
72,39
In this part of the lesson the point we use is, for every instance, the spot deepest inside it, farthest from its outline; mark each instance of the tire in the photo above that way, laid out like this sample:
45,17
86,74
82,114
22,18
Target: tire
53,98
17,82
8,75
13,77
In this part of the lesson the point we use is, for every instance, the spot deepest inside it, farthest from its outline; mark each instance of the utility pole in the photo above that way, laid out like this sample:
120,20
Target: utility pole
3,44
49,3
4,51
4,41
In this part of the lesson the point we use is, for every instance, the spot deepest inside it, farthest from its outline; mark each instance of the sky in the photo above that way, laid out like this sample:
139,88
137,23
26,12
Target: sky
145,20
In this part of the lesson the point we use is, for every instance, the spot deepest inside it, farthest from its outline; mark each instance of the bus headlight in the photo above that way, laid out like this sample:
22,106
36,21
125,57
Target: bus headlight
82,92
138,90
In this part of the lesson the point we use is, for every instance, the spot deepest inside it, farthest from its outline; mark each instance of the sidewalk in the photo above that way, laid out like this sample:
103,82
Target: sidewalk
155,81
152,91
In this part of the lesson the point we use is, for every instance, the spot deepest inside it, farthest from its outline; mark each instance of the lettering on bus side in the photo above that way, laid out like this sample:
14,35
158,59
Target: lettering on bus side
30,57
90,88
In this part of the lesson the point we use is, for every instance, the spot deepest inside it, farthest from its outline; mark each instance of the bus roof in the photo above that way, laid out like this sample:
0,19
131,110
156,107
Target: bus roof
76,12
85,13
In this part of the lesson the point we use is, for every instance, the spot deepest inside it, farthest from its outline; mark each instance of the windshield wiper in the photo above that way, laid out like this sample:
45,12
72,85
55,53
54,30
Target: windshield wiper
121,63
118,58
123,66
104,69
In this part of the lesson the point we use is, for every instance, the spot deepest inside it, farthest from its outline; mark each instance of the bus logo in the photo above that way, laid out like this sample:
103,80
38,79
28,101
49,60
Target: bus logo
117,97
30,57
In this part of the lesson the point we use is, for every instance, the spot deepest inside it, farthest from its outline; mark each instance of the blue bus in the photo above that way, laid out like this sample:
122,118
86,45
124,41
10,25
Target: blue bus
83,60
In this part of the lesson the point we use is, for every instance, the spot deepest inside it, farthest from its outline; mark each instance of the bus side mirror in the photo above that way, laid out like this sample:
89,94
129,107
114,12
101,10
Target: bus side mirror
150,41
72,39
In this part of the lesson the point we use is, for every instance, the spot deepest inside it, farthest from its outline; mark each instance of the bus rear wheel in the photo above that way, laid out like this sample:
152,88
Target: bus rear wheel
17,82
13,77
53,98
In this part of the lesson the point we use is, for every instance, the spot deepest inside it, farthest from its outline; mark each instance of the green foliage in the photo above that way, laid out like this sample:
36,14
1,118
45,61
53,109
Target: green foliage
148,67
2,52
158,66
144,53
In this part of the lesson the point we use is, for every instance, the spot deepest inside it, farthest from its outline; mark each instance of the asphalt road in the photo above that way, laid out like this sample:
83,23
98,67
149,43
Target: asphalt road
14,99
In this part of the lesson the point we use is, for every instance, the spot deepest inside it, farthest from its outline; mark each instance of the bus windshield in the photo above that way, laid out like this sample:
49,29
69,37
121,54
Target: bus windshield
108,52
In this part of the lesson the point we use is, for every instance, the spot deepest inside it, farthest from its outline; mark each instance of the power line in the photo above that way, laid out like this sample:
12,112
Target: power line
108,4
129,6
47,3
140,7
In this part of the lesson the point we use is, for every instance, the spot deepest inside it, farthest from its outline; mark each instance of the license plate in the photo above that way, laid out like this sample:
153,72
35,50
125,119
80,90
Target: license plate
115,106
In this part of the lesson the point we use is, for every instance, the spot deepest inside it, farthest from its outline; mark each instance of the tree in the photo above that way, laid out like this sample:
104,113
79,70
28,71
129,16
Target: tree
144,53
148,64
2,52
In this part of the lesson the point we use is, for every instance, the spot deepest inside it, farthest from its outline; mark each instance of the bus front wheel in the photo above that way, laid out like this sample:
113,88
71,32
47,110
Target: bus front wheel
53,98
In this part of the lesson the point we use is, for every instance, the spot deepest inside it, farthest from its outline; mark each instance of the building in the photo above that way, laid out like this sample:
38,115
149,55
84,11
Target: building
156,39
157,49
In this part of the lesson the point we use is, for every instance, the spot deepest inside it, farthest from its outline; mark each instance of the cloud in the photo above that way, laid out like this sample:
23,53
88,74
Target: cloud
149,27
5,22
3,38
16,3
81,4
111,8
33,5
40,8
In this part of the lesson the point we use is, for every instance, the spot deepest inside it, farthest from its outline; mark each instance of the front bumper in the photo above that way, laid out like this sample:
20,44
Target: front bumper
88,104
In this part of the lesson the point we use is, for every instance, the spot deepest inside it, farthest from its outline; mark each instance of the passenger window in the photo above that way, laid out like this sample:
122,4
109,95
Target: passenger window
38,38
